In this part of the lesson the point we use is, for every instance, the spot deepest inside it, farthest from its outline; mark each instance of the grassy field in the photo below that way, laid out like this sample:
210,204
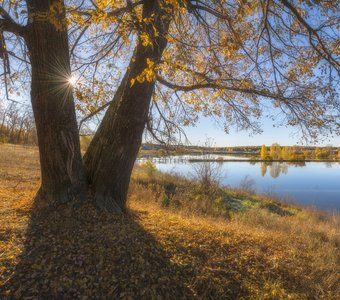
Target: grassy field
178,241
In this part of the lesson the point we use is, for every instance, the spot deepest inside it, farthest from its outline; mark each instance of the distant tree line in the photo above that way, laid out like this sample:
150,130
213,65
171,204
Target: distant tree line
17,125
276,152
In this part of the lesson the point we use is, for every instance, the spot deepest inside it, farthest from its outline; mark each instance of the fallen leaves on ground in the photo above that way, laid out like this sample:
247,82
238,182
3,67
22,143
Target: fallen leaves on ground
68,252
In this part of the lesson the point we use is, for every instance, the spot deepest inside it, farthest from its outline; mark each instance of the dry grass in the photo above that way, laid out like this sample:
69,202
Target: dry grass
181,248
19,179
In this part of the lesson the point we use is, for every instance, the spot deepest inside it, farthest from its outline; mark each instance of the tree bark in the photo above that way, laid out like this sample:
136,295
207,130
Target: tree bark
62,174
111,155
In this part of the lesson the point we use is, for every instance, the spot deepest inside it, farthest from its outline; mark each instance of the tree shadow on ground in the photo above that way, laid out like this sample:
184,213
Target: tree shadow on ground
80,253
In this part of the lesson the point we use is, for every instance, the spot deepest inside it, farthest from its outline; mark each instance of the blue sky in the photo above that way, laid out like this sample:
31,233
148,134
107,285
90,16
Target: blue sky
207,128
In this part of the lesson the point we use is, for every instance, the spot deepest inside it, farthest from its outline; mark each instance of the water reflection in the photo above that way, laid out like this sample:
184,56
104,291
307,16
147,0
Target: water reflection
277,168
273,168
308,183
328,164
263,169
188,159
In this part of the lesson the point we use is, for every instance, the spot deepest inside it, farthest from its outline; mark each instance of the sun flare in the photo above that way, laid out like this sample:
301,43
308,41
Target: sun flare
72,80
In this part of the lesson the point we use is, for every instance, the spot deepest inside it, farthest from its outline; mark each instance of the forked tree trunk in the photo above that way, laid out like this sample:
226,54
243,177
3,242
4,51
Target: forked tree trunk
111,155
62,173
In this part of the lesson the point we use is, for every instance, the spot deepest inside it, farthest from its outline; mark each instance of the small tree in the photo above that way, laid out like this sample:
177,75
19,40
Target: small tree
264,153
208,174
149,167
275,151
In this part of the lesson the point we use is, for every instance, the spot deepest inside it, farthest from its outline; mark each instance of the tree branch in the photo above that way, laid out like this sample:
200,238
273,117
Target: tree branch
212,85
8,24
312,32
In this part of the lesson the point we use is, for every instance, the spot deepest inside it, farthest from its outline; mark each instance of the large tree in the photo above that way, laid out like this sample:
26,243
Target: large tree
111,155
46,39
230,59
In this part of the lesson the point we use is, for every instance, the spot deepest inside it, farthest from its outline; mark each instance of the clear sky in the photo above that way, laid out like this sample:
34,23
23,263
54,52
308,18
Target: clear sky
207,128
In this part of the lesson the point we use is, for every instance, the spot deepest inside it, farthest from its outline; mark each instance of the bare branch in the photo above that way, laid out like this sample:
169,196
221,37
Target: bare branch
325,53
212,85
8,24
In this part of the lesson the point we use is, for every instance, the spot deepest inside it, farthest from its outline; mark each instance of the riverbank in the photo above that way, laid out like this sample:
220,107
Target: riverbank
222,157
180,239
259,153
192,160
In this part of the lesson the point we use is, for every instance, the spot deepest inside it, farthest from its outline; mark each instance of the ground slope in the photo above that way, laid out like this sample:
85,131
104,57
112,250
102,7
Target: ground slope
152,252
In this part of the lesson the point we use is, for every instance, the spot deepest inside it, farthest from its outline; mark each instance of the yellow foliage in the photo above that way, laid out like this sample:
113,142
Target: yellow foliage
148,74
264,152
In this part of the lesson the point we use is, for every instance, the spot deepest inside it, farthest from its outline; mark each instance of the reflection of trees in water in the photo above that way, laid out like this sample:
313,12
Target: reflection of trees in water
284,168
298,164
277,168
263,168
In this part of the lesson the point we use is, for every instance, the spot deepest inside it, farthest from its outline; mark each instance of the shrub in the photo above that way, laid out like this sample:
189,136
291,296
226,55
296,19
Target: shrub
150,168
208,174
165,200
220,207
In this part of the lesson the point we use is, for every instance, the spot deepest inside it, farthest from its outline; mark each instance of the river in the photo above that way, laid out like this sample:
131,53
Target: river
308,184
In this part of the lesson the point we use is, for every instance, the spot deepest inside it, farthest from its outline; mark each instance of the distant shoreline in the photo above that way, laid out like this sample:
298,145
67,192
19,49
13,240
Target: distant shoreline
245,159
261,160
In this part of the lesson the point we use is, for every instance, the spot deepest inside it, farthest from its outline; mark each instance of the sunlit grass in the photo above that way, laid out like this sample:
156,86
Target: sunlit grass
186,248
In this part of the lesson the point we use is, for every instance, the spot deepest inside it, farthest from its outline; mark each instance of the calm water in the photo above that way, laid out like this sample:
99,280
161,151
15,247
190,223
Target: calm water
309,184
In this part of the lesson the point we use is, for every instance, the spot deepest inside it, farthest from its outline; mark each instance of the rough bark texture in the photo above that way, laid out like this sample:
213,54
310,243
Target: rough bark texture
111,155
62,173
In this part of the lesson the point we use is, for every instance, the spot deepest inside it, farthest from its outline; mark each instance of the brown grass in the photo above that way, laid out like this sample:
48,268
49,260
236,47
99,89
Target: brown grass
183,250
